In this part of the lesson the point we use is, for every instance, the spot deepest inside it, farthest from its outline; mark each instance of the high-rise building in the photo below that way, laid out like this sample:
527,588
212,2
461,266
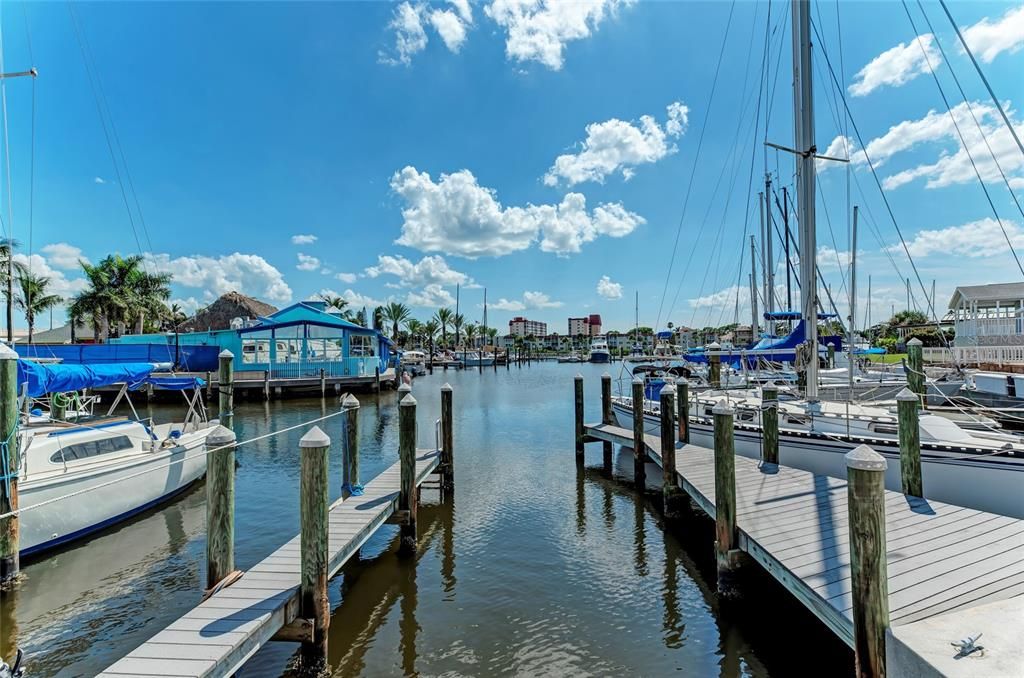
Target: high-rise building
521,327
589,326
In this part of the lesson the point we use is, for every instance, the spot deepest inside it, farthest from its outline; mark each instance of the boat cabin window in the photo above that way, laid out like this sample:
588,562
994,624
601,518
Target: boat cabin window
886,429
800,421
92,448
746,416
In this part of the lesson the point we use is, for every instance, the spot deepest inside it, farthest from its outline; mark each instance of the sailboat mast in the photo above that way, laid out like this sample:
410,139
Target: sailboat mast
853,297
769,272
753,293
803,101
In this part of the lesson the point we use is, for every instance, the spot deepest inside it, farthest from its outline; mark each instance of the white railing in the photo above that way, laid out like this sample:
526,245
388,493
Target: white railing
990,327
968,355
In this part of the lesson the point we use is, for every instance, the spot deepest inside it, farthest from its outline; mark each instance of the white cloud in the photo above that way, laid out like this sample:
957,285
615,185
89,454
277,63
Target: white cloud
303,239
537,30
616,145
953,166
531,300
59,283
346,277
721,298
897,66
829,259
64,256
355,300
431,296
407,22
249,274
99,180
504,304
988,39
457,216
188,306
608,289
429,270
840,147
981,238
307,262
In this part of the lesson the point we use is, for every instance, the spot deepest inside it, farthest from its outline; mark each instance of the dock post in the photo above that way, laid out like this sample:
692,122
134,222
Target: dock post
313,602
865,475
726,555
220,505
226,389
9,465
323,383
683,405
266,384
671,493
639,449
770,422
606,419
910,443
447,440
209,385
407,499
831,346
350,485
578,392
915,368
714,365
376,378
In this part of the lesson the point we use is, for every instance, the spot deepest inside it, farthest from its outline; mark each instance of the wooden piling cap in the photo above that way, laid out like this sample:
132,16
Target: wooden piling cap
315,437
681,381
865,459
578,377
770,387
606,376
906,395
404,388
7,353
831,343
221,435
350,402
446,387
669,389
723,407
225,354
408,401
714,346
638,380
915,342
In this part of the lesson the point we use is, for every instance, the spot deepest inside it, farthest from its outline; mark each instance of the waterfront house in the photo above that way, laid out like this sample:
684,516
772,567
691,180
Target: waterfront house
989,315
296,342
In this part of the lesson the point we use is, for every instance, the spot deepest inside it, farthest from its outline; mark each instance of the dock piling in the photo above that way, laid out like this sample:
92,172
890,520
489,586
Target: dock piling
672,495
714,365
9,465
915,369
907,403
350,485
313,602
226,389
447,440
639,449
726,553
770,422
683,405
865,473
323,383
220,505
831,346
407,499
606,418
578,400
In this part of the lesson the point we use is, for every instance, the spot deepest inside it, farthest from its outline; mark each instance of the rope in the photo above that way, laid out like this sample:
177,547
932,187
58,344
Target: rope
354,489
6,474
187,457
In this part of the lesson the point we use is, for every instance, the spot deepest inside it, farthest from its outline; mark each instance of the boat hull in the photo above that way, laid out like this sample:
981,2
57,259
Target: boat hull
144,485
986,483
600,357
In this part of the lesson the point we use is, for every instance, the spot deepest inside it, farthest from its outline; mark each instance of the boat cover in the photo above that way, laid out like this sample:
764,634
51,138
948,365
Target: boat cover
172,383
59,378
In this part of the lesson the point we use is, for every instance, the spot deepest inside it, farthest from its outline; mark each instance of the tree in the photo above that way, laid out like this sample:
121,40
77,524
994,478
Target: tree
148,294
395,313
7,247
470,332
378,318
334,301
457,322
414,328
443,317
492,335
33,298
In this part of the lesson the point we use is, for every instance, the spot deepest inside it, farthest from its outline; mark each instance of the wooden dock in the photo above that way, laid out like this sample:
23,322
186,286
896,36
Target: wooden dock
219,635
941,558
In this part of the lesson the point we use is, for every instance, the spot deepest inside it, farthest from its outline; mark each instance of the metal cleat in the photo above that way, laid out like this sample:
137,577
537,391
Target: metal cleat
967,646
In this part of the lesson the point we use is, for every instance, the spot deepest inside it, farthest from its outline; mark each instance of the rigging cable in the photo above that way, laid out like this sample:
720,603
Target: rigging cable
696,160
963,142
981,74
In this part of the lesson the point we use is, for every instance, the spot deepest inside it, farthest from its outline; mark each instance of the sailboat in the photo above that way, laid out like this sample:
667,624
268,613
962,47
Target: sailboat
977,469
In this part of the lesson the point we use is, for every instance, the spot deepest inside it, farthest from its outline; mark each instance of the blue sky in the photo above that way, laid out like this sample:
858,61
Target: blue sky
428,144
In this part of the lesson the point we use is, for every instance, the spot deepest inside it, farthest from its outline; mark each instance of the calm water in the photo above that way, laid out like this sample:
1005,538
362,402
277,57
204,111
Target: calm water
532,568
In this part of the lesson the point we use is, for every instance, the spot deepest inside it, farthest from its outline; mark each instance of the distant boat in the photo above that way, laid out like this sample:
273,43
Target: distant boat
571,358
477,359
131,464
599,352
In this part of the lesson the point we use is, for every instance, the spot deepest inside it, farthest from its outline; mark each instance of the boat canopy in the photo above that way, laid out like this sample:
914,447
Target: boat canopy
43,378
794,315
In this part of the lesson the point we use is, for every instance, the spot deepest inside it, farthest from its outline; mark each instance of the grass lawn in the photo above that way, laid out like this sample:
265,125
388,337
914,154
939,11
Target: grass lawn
888,358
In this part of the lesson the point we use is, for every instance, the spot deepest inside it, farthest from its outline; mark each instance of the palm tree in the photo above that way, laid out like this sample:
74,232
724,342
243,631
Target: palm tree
334,301
443,317
7,247
33,299
395,313
492,334
457,323
93,302
149,293
414,328
470,334
176,314
378,318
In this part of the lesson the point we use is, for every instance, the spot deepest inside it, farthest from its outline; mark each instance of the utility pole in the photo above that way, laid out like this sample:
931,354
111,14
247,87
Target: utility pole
32,72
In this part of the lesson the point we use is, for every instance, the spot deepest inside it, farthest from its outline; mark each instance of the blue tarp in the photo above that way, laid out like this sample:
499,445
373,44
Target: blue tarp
58,378
794,315
173,383
189,357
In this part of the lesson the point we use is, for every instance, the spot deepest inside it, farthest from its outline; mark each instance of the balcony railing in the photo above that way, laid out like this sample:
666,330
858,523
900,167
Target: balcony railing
973,355
990,327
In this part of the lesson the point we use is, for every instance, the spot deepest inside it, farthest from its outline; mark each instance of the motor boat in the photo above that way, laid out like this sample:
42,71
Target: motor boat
599,352
79,476
477,359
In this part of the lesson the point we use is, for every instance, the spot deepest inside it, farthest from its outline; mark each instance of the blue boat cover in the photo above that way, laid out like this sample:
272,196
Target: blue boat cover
794,315
172,383
57,378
